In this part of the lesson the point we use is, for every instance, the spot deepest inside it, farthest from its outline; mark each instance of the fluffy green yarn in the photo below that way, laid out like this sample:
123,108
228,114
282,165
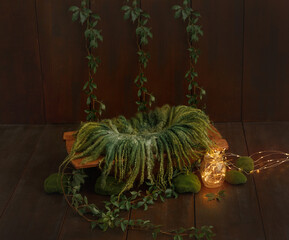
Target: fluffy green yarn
111,187
164,138
52,184
235,177
245,163
187,183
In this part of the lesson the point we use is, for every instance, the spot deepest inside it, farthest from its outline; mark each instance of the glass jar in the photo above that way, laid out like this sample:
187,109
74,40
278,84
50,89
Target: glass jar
213,169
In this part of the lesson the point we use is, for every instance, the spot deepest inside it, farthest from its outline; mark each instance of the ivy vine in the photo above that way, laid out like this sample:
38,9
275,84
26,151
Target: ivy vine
194,31
93,36
109,217
132,10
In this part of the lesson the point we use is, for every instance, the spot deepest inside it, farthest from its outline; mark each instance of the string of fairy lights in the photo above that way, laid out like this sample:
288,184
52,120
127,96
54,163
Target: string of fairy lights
262,160
213,167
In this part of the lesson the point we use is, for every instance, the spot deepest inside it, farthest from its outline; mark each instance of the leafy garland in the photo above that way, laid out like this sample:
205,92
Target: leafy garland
194,31
92,36
134,12
109,217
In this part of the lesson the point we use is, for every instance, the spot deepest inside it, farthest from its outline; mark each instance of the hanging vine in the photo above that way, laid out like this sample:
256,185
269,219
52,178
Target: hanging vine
132,10
93,36
109,217
194,31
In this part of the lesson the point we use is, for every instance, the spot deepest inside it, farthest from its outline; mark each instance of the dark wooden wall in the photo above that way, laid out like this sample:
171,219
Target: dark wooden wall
243,65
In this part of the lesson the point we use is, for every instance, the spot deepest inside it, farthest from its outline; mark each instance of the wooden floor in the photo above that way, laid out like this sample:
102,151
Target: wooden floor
256,210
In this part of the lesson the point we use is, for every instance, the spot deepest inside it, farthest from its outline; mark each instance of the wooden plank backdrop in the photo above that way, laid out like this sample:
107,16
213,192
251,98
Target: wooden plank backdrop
243,63
266,61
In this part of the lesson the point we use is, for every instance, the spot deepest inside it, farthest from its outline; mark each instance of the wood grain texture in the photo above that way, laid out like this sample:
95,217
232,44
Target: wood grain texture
266,61
271,184
75,227
220,62
237,216
119,62
168,50
63,61
20,74
17,144
243,63
172,214
32,214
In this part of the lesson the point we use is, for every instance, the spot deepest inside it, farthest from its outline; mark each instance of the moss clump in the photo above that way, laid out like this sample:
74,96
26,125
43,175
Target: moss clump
52,184
235,177
111,187
245,163
187,183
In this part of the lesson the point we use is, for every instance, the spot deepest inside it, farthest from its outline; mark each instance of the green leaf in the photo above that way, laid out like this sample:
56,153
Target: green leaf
85,200
85,85
73,8
93,225
146,15
178,13
95,16
93,85
102,106
128,205
123,226
134,15
125,8
83,17
126,15
75,16
88,101
176,7
83,3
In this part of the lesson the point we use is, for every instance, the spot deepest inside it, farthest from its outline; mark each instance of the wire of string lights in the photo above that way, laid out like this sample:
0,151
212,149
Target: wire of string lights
262,160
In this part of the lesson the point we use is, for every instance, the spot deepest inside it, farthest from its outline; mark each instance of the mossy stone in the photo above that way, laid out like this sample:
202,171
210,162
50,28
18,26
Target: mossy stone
245,163
52,184
187,183
235,177
112,186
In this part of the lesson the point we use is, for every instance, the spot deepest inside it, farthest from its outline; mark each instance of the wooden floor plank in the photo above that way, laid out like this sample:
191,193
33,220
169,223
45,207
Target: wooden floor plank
17,144
32,214
172,214
237,216
272,184
75,227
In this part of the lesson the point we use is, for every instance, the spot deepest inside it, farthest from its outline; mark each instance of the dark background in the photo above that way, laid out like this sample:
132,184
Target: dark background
243,64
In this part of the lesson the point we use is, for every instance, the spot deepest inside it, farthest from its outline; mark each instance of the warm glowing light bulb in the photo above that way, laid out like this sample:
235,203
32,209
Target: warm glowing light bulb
213,169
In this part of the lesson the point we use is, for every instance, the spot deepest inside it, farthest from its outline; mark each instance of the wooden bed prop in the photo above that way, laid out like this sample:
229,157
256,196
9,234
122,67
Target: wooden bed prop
69,139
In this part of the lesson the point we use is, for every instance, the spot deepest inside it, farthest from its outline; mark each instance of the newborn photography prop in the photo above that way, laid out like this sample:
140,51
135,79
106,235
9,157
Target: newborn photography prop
157,154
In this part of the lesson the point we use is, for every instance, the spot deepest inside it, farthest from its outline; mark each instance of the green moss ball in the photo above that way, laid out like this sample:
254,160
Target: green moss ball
187,183
235,177
52,184
112,186
245,163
